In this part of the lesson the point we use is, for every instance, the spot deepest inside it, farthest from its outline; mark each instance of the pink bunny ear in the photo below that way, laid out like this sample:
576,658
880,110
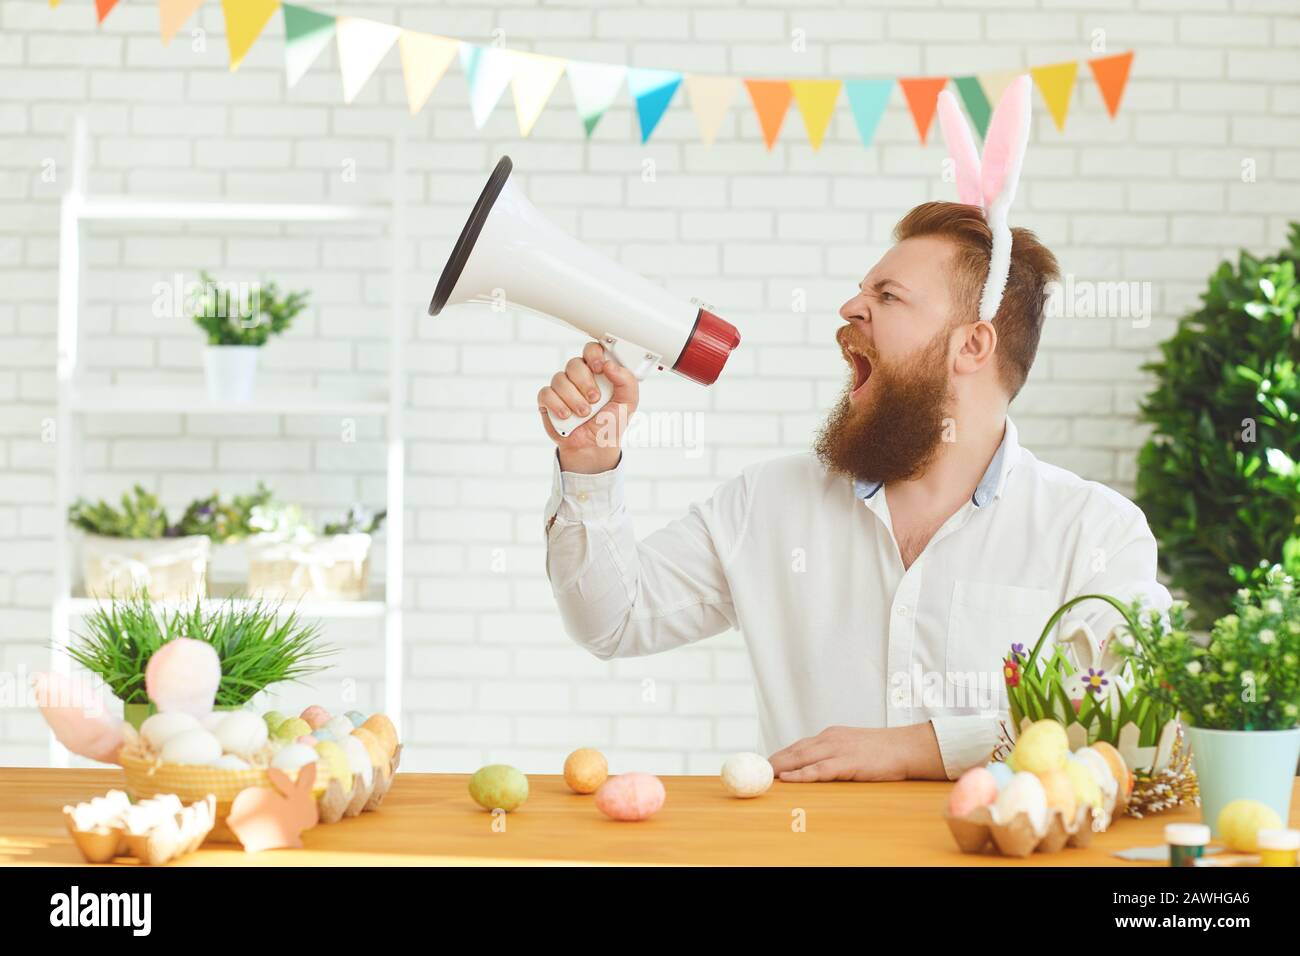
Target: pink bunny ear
1004,147
961,148
75,713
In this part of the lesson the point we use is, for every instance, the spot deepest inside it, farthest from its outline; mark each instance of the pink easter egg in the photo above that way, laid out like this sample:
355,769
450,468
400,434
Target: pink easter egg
183,676
977,787
316,716
631,796
307,739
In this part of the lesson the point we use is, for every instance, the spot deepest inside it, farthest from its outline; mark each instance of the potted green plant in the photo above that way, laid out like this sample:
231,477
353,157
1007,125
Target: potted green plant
1238,693
134,547
258,645
292,560
1219,480
238,321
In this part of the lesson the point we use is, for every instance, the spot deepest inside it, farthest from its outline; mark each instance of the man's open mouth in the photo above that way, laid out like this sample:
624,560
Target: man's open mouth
861,368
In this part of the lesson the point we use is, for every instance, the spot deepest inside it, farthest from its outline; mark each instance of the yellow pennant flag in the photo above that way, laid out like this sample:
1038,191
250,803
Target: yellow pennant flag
816,100
532,83
245,21
1056,83
711,98
425,59
172,15
362,44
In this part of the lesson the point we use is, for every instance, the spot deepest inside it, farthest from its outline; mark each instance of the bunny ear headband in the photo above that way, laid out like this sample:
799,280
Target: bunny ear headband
990,184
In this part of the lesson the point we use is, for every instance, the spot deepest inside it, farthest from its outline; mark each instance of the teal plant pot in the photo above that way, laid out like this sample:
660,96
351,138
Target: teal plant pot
1244,765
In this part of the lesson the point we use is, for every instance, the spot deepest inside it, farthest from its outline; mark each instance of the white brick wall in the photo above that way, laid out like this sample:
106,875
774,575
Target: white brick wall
1156,195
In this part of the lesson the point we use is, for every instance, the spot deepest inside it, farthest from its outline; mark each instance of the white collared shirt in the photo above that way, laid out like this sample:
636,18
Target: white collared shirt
804,563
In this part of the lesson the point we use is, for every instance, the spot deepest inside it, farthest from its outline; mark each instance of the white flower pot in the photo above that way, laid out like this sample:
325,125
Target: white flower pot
231,372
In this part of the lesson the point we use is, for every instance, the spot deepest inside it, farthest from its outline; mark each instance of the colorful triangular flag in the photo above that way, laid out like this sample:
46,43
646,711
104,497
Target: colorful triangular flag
487,72
362,44
1056,83
652,90
532,81
711,98
245,21
53,4
425,59
816,100
172,15
103,8
922,95
594,87
1111,74
977,104
306,34
771,99
995,84
867,99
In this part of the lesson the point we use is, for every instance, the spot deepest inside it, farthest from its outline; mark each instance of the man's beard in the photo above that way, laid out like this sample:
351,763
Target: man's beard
896,434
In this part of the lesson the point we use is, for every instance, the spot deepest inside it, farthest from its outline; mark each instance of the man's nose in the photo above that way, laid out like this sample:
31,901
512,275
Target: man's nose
857,308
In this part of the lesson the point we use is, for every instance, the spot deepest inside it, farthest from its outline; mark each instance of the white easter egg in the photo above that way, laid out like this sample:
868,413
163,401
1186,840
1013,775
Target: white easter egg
1024,794
160,728
231,762
212,720
339,726
293,756
358,757
242,733
191,747
746,775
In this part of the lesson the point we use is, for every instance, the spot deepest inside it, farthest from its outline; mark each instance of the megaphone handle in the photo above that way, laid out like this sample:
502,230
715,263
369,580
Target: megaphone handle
564,426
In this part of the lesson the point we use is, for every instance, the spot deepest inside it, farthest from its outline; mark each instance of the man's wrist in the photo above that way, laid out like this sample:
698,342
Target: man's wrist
591,461
922,758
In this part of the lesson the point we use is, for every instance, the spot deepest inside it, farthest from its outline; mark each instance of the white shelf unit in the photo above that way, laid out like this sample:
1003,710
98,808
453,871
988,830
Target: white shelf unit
74,400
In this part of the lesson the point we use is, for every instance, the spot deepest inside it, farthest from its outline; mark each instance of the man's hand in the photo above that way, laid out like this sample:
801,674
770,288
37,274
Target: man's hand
860,753
593,447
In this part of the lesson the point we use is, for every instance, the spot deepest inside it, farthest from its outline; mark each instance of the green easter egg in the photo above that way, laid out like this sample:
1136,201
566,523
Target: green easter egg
273,719
499,786
292,729
337,761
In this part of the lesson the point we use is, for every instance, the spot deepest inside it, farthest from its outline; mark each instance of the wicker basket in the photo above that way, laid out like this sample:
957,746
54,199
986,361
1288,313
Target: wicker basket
170,569
332,568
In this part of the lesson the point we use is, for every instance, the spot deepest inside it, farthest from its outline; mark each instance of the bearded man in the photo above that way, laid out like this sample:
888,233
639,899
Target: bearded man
881,581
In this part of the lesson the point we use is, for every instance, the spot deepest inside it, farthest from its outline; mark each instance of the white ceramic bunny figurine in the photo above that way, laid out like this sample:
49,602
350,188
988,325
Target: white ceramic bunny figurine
990,184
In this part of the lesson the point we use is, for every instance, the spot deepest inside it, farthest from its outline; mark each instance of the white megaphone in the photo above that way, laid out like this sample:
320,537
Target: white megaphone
510,250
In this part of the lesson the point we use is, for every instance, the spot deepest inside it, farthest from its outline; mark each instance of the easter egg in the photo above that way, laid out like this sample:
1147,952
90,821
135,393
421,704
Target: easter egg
1002,773
499,786
231,762
1023,795
292,729
293,757
1084,781
1042,747
382,727
1101,772
358,759
316,716
160,728
322,734
183,675
340,768
585,770
378,759
1118,768
977,787
273,719
631,796
191,747
747,775
339,727
242,733
1240,821
307,740
356,717
1060,793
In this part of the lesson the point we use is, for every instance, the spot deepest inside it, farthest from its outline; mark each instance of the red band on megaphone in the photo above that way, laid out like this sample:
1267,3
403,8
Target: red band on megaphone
707,349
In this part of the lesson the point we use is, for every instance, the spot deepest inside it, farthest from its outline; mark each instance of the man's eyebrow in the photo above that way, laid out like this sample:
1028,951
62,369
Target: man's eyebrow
879,284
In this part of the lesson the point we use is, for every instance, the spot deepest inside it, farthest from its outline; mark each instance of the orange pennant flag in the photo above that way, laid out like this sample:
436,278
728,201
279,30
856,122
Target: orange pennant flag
771,99
172,15
922,94
1111,74
1056,83
103,8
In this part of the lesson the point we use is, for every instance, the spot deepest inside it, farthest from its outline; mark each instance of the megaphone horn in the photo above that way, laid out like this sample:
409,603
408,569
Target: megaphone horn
509,249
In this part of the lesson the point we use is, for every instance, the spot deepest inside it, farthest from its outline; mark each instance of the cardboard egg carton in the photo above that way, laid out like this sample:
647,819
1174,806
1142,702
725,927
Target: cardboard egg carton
335,803
153,838
1018,837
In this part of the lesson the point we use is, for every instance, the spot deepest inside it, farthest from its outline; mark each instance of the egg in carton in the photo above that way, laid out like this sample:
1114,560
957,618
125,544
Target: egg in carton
1024,832
367,790
96,827
161,829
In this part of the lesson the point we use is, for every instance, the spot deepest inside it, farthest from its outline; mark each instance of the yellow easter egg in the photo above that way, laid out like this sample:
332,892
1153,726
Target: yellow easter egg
375,748
1060,793
1084,782
585,770
1042,747
1240,821
382,727
1117,765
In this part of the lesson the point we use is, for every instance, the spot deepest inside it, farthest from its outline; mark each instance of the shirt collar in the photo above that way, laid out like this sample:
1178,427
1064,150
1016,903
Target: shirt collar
989,486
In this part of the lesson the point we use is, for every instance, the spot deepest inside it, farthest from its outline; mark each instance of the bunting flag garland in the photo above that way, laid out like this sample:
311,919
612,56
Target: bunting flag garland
1111,74
594,87
867,99
652,90
711,98
425,59
172,15
306,34
1056,83
532,81
487,71
532,77
922,95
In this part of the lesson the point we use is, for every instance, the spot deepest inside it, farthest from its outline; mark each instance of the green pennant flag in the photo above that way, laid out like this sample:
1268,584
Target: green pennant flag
306,33
977,104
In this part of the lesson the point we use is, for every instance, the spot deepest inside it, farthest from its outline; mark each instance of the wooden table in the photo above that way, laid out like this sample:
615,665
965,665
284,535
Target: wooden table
428,819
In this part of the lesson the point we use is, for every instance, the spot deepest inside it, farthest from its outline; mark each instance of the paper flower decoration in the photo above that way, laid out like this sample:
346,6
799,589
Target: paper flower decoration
75,712
182,676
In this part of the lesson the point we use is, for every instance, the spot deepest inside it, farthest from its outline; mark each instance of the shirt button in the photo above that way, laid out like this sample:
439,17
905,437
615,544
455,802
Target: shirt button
901,611
582,496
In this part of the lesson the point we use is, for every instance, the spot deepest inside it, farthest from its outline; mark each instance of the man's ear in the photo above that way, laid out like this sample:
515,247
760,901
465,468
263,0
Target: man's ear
979,340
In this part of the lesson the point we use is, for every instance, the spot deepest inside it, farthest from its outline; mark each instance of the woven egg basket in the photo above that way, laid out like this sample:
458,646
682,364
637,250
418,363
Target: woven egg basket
147,777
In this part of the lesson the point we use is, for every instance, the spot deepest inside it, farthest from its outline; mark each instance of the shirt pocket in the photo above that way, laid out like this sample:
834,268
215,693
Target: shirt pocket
983,623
